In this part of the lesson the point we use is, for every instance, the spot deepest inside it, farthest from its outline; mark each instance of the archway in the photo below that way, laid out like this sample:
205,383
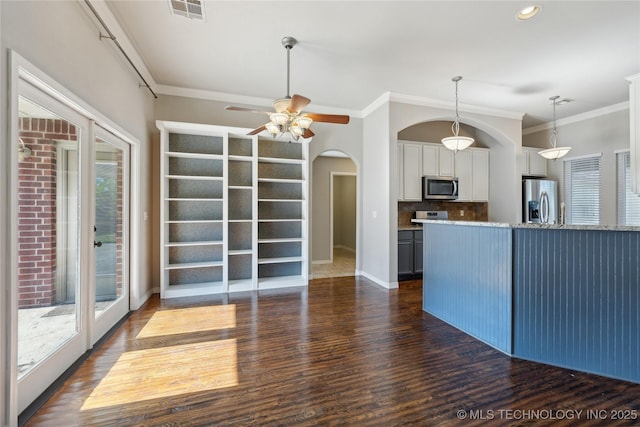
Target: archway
334,215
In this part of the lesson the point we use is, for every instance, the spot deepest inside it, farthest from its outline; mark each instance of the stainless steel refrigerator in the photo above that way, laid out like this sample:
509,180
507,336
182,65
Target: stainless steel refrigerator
540,201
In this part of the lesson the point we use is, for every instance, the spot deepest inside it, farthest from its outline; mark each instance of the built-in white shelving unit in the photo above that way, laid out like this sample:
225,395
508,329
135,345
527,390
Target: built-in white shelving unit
282,211
234,211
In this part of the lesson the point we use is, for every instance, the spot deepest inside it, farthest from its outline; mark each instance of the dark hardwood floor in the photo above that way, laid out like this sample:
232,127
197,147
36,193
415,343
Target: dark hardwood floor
342,352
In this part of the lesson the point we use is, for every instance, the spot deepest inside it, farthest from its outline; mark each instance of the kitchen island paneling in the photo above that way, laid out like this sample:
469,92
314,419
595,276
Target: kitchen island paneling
574,290
463,282
576,299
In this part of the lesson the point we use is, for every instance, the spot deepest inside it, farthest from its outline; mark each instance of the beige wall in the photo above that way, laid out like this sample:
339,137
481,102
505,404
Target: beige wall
435,131
344,212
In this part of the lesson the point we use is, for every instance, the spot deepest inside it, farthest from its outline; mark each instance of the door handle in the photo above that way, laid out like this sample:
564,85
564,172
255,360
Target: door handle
544,208
97,244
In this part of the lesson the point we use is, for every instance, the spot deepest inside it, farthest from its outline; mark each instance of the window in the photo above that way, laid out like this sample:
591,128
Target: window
628,205
582,189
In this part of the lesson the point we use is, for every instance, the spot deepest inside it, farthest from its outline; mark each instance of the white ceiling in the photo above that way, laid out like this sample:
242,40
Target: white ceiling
351,52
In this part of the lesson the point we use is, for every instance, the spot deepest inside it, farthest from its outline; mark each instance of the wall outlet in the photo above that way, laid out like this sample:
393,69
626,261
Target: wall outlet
461,212
374,214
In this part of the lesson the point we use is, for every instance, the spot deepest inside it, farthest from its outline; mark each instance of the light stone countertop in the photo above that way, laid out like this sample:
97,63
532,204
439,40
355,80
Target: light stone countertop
536,226
410,227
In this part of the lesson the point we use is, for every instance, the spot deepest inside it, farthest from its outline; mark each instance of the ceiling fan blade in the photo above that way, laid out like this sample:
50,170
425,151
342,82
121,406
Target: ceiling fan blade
297,103
308,133
257,130
232,108
329,118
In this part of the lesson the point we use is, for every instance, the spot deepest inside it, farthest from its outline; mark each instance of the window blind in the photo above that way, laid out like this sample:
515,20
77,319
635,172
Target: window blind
582,190
628,205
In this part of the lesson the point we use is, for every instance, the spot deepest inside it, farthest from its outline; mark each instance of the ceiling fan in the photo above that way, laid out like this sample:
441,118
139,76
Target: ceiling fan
288,117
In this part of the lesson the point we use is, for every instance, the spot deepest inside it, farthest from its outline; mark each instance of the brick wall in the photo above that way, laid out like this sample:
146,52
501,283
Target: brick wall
37,237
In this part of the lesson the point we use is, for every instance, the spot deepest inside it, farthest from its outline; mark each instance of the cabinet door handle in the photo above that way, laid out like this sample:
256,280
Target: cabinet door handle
97,244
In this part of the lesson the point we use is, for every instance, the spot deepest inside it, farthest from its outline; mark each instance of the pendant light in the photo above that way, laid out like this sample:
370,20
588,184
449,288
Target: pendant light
456,142
554,152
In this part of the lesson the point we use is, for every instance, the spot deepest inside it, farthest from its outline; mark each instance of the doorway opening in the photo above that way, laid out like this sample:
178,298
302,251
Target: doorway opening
334,226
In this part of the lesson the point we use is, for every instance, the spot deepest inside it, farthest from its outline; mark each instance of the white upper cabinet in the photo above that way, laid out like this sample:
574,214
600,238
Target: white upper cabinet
430,160
412,176
416,160
446,161
533,164
463,170
472,171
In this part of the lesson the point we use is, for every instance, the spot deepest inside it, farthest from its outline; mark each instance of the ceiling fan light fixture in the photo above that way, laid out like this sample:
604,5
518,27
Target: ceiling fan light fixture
296,130
456,142
289,121
272,129
279,119
304,122
555,152
280,105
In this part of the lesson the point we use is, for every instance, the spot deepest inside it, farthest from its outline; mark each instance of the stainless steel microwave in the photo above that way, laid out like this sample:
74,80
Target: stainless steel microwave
439,187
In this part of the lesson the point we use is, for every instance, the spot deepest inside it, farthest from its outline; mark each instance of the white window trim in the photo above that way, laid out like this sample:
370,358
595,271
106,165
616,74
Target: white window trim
585,156
620,215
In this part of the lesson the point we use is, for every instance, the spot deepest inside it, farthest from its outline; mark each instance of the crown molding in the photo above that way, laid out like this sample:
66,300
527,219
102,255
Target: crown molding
579,117
436,103
210,95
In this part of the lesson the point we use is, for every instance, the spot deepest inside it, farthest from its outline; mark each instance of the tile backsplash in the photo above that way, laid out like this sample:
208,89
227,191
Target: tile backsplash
473,211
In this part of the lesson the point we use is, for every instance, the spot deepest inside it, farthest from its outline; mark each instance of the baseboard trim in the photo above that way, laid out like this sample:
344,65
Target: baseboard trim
346,248
382,283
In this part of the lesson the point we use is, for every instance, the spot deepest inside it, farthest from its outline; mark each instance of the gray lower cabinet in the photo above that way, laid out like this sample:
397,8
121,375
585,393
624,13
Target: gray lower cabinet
409,254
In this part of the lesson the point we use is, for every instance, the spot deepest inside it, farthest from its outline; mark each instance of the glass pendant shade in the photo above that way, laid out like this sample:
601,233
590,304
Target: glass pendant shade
273,129
304,122
280,105
279,119
296,130
457,143
554,153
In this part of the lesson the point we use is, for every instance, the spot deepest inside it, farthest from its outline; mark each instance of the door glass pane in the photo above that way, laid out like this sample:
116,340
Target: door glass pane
110,234
48,219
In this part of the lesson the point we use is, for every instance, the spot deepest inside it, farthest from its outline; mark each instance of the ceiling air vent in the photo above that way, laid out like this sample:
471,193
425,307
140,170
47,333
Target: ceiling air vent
192,9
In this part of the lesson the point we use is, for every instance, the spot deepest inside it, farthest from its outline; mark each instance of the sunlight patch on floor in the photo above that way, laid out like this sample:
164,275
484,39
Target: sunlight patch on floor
168,371
189,320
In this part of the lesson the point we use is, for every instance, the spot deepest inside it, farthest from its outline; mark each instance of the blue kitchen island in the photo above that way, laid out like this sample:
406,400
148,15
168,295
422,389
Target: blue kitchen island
563,295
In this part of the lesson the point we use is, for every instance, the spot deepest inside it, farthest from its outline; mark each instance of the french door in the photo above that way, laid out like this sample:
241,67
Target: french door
72,229
111,232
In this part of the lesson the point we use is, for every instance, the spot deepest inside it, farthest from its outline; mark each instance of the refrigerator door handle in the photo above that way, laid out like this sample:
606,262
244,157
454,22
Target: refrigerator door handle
544,208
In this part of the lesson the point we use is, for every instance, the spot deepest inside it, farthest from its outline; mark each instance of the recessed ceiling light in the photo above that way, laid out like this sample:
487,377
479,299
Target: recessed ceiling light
528,13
